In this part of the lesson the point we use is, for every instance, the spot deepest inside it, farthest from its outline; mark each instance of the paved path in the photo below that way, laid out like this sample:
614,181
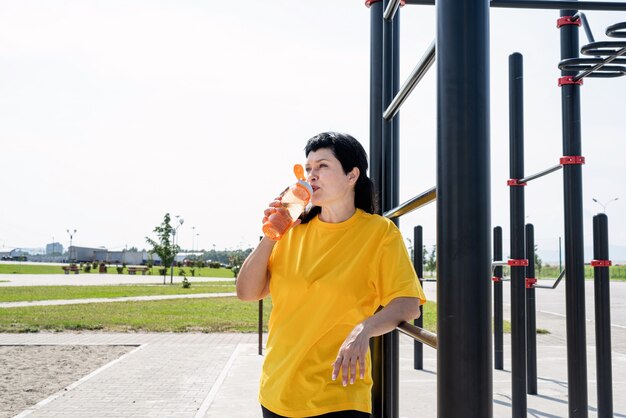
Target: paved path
93,279
109,300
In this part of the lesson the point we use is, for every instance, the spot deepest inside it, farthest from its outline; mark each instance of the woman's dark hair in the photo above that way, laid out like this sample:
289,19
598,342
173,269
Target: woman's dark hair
350,154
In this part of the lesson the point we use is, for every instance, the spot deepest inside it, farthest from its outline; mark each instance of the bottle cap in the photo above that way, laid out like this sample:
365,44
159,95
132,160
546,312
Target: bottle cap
303,184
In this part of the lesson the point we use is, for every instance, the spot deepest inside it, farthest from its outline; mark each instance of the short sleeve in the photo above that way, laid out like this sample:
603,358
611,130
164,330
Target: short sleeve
396,275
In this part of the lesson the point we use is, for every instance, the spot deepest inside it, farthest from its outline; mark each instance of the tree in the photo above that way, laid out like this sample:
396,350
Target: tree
538,263
165,247
431,261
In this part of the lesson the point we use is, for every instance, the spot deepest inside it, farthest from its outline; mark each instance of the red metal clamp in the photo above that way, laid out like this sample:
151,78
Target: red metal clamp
518,263
530,282
567,20
601,263
569,79
572,159
496,279
514,182
368,3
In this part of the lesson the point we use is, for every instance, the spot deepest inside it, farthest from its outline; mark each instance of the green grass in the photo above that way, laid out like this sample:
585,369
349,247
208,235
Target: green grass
47,269
182,315
32,293
226,314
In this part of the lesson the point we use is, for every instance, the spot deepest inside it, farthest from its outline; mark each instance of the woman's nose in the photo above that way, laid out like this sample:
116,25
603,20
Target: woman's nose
311,176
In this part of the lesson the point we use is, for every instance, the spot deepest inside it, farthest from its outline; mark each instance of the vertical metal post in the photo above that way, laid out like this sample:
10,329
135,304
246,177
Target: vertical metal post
498,323
603,317
418,264
376,169
464,353
518,281
574,236
531,322
390,189
261,320
261,327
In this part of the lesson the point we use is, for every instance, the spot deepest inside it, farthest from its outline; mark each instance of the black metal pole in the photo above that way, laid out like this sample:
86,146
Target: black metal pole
518,281
603,317
531,320
418,264
390,341
498,323
376,169
574,236
464,353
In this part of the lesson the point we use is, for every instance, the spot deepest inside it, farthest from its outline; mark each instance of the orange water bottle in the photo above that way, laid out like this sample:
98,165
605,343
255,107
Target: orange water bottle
294,200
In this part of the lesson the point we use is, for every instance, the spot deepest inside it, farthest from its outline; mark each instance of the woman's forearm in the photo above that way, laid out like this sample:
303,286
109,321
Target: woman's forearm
253,278
388,318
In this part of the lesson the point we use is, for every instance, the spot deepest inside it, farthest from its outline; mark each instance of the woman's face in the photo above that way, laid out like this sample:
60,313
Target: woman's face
329,182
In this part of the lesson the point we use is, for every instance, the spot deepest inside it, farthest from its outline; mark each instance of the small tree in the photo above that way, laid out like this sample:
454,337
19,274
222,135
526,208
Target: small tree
165,247
538,263
431,261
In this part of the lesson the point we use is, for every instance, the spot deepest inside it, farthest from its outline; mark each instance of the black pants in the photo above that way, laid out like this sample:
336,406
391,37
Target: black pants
340,414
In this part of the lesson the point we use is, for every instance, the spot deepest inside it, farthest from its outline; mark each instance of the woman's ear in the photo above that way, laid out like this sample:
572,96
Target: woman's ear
353,175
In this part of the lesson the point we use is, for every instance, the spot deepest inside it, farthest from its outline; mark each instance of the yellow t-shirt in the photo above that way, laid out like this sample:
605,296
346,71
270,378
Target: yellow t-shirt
325,279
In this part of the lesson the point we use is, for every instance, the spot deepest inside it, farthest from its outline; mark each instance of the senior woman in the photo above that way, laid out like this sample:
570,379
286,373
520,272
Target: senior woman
328,276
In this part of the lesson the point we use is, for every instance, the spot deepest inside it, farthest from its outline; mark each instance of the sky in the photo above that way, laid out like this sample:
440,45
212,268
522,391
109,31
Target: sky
113,113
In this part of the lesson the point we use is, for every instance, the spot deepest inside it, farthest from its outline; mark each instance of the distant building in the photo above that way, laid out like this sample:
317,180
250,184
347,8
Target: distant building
54,248
86,254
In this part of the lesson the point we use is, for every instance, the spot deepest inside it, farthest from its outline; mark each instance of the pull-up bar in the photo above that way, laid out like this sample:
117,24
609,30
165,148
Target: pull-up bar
418,334
410,205
416,75
543,4
540,174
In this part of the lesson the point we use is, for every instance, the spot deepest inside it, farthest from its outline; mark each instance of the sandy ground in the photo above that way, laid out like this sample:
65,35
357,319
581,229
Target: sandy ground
30,374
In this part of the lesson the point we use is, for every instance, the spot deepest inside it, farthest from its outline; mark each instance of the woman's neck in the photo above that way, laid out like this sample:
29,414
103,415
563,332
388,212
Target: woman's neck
336,214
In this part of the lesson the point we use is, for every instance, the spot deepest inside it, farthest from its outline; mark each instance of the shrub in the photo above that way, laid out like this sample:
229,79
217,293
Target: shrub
186,283
163,271
182,272
119,269
94,265
87,268
193,272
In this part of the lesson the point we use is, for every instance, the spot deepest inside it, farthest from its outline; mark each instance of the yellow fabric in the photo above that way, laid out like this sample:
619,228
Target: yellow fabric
325,279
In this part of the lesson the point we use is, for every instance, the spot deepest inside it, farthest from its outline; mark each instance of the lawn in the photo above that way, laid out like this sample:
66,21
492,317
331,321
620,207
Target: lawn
48,269
32,293
180,315
225,314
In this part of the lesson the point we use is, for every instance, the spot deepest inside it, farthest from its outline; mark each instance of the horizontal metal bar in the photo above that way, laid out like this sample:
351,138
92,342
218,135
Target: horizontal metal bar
416,75
499,263
555,283
540,174
418,334
543,4
598,66
418,201
391,9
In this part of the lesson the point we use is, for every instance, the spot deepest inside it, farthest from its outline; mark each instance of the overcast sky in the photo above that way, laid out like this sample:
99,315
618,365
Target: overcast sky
113,113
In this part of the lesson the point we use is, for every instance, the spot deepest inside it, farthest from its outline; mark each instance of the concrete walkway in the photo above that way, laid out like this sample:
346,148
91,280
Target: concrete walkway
94,279
109,300
216,375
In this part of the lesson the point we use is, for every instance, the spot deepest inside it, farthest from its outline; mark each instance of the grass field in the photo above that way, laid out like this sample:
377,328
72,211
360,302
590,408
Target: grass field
48,269
226,314
33,293
181,315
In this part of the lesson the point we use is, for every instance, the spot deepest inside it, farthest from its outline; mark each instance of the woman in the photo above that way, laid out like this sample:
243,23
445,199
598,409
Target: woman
328,276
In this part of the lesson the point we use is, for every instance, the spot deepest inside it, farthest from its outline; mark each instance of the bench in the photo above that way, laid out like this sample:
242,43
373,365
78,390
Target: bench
134,270
73,268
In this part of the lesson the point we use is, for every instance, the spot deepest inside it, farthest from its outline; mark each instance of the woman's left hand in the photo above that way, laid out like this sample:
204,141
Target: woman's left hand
352,351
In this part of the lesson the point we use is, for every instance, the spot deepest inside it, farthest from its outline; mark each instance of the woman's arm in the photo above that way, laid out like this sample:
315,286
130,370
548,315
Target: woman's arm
354,348
254,279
